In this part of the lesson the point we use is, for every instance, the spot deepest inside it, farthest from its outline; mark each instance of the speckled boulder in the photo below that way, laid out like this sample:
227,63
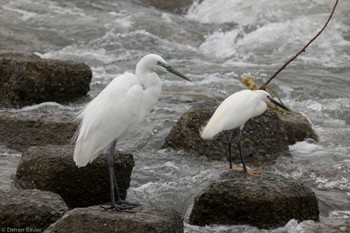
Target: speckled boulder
26,79
30,209
264,138
52,168
268,201
141,220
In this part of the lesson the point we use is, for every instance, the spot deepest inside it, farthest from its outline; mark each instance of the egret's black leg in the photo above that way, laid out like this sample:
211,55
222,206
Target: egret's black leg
240,148
229,143
116,202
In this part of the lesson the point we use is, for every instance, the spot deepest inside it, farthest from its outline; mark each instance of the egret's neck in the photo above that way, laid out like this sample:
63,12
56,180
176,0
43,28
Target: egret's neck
152,86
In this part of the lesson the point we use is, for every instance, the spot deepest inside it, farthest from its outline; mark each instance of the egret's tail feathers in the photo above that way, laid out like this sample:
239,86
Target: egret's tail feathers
206,133
80,157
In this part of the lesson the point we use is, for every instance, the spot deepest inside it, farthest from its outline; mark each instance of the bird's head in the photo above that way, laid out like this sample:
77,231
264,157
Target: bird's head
265,96
157,64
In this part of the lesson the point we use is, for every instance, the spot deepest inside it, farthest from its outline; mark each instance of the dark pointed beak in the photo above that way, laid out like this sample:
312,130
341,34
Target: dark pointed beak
278,103
177,73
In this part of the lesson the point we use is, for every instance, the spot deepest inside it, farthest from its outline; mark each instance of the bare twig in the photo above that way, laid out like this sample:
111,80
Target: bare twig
264,86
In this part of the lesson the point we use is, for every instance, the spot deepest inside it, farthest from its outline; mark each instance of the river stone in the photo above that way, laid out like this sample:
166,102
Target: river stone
264,137
21,130
30,209
141,220
52,168
26,79
268,201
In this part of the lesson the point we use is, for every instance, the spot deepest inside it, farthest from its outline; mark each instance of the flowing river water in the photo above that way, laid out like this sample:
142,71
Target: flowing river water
215,43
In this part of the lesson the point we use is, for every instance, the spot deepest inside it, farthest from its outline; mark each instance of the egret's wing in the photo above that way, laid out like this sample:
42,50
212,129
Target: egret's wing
108,117
233,112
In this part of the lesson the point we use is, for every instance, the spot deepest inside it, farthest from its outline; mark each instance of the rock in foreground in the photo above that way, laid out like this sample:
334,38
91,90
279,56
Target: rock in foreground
52,168
26,79
268,201
142,220
30,209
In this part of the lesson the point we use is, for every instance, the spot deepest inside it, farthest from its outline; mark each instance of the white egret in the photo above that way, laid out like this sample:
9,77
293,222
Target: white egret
234,112
117,110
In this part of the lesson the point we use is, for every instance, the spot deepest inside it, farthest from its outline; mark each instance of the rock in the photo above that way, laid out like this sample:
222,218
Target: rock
141,220
263,140
268,201
52,168
21,130
298,128
30,209
26,79
172,6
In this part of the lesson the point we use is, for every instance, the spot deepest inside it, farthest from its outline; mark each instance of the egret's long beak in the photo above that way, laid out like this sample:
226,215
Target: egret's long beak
177,73
278,103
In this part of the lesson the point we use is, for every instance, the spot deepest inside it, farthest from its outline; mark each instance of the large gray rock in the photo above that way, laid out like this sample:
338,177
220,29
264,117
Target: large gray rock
268,201
141,220
264,137
30,209
52,168
26,79
21,130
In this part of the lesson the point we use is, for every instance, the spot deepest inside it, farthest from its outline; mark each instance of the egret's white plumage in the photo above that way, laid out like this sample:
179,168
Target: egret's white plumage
234,112
117,110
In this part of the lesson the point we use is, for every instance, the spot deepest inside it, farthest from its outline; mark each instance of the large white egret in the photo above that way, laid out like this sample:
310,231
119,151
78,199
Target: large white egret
234,112
117,110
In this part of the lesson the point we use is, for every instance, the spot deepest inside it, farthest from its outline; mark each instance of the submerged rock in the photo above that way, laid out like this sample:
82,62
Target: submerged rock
30,209
264,137
21,130
141,220
52,168
26,79
268,201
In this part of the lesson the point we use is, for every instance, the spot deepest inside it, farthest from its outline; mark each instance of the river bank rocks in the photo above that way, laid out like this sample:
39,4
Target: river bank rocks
26,79
139,220
52,168
30,209
268,201
21,130
264,138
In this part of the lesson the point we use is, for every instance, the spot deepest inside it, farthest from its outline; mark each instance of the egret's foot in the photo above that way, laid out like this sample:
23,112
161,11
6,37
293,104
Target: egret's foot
249,172
122,206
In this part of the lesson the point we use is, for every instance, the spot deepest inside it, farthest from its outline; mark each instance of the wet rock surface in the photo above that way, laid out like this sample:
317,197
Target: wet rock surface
264,137
21,130
30,209
26,79
142,220
268,201
52,168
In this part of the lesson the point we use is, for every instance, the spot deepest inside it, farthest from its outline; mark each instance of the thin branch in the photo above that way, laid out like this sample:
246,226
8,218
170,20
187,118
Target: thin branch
263,87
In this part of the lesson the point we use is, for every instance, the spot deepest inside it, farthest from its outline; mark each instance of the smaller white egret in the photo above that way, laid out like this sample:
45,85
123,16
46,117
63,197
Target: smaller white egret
117,110
234,112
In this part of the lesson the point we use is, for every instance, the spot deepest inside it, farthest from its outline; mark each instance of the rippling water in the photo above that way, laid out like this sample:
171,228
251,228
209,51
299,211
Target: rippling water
215,43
